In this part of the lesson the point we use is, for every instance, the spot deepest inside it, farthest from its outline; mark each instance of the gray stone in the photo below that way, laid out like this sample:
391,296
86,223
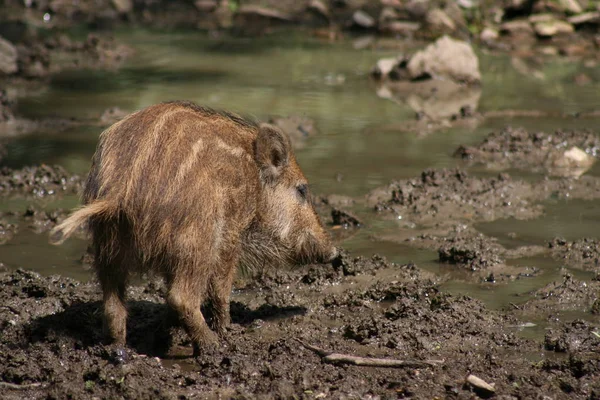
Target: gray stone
552,28
585,18
446,58
363,19
438,20
123,6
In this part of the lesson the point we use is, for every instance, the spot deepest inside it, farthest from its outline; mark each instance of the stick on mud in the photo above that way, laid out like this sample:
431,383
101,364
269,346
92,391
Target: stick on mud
337,358
14,386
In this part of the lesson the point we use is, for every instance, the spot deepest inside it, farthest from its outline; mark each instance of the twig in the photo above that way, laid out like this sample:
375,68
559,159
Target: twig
337,358
15,386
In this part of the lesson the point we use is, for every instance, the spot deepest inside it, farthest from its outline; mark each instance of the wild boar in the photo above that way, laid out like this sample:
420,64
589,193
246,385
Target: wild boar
191,193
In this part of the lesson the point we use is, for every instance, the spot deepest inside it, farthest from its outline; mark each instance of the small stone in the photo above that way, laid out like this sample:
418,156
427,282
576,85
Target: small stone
553,28
571,6
535,18
438,20
401,28
123,6
363,19
384,66
585,18
446,58
387,14
516,27
488,35
319,7
206,5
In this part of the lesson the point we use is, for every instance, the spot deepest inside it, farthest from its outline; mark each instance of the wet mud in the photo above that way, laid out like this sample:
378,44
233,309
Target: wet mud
52,346
535,151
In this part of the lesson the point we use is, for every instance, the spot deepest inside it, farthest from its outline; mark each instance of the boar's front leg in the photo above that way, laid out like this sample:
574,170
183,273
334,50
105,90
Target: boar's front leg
186,291
219,292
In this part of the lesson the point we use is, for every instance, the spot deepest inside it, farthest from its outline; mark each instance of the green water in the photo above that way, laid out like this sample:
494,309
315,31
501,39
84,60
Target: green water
360,145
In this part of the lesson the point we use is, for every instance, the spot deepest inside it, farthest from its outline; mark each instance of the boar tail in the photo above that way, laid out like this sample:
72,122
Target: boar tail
61,232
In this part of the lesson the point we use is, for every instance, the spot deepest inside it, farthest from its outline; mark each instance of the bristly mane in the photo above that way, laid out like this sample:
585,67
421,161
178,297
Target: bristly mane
245,121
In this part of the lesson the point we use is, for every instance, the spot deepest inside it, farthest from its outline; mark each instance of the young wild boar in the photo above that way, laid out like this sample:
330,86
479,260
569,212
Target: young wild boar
190,193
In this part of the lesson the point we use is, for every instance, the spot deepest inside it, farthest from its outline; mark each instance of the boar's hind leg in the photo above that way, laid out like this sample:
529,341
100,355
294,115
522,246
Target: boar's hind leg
185,295
113,281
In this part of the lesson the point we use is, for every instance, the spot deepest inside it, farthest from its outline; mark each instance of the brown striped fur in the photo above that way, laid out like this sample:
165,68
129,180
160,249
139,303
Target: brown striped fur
190,193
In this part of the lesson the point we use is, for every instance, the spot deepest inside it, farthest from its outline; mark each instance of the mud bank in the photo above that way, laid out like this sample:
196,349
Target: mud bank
563,153
52,341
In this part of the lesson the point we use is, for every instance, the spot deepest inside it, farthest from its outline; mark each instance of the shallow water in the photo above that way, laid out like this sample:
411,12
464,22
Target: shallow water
360,145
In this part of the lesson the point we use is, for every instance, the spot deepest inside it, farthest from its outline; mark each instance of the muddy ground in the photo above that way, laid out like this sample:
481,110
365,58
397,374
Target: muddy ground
51,340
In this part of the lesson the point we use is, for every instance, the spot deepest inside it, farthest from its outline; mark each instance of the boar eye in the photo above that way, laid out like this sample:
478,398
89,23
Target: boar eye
302,191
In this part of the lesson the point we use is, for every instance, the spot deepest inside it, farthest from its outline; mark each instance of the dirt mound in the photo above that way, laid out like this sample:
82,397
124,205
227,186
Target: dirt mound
535,151
567,294
582,253
437,194
39,181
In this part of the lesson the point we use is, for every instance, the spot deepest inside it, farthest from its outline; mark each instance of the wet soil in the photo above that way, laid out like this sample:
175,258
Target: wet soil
38,181
52,346
533,151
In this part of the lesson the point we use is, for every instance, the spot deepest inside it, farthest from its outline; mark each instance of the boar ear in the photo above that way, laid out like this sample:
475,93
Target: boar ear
272,151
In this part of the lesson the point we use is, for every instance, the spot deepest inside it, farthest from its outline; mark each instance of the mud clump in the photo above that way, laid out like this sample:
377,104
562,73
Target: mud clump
437,194
7,231
41,221
535,151
344,218
567,294
582,253
38,181
473,253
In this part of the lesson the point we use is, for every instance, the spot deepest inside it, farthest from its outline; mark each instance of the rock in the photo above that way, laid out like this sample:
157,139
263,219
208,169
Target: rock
206,5
516,27
455,13
320,7
574,158
466,4
252,10
388,14
8,57
417,9
535,18
552,28
488,35
402,28
446,58
439,21
123,6
571,6
585,18
362,19
384,66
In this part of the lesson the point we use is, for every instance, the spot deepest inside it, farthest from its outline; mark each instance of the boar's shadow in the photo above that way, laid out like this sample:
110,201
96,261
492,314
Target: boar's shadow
151,327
